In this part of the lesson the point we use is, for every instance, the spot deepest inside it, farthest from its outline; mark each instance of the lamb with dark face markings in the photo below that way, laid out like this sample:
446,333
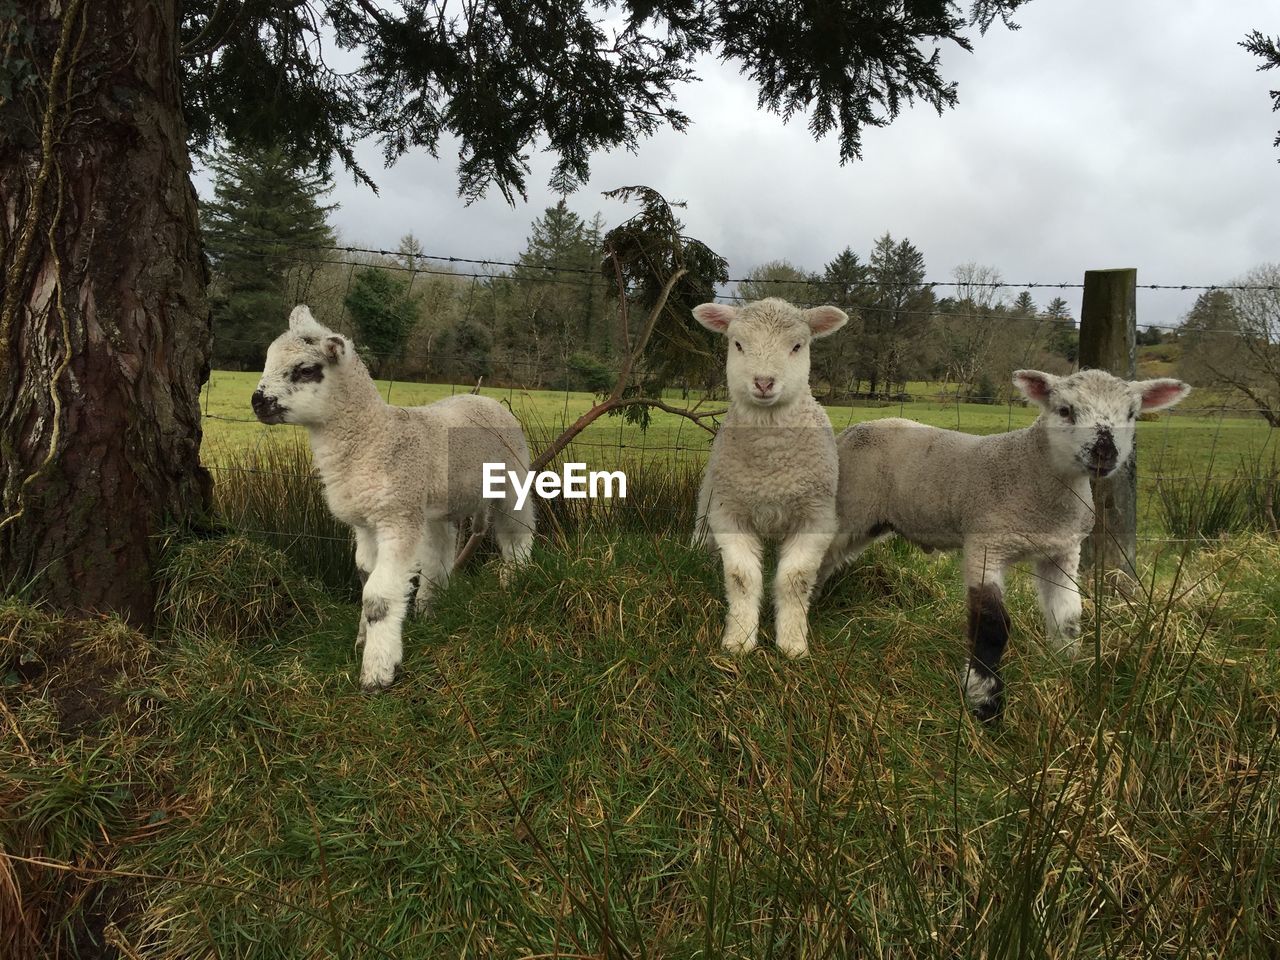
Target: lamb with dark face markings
401,478
1022,495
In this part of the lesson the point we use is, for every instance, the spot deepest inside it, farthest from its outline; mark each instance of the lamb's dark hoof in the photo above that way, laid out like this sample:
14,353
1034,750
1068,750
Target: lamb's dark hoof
983,692
989,712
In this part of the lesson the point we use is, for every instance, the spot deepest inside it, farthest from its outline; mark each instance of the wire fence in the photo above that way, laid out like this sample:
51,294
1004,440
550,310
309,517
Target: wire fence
1214,439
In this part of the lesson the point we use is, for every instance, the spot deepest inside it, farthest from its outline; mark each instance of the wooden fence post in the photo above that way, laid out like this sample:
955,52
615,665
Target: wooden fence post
1108,341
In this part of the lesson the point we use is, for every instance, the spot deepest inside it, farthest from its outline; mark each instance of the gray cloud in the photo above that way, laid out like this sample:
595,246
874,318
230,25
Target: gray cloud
1102,134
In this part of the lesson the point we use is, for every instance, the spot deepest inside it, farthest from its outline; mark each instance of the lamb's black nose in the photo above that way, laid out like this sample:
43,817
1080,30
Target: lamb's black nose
1105,453
267,409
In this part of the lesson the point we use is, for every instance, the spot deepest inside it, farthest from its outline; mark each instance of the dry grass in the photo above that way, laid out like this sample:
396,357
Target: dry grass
571,768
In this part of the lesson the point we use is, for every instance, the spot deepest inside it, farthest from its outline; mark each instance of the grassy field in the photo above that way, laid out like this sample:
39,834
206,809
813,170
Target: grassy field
1186,449
1196,440
570,768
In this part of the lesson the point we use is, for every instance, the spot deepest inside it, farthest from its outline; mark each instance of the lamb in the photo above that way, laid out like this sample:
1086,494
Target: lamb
402,478
773,468
1022,495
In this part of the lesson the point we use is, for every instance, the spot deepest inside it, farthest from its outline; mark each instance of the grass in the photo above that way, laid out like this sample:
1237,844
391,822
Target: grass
1195,441
571,768
1186,460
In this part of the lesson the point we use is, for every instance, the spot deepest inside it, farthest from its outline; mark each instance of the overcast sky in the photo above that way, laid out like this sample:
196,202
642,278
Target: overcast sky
1104,133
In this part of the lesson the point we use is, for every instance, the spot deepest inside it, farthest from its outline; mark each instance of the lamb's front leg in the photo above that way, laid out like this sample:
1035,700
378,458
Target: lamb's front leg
387,594
366,558
1058,586
799,560
988,630
743,586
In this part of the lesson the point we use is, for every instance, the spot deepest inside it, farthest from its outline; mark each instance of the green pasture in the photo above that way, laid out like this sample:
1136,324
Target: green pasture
571,768
1192,442
1179,452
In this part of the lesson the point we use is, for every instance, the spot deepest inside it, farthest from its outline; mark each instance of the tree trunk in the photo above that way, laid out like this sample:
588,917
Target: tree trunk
104,329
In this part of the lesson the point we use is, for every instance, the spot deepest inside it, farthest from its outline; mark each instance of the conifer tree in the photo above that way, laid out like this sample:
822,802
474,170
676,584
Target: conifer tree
844,284
556,305
897,313
1266,49
384,313
263,229
1064,338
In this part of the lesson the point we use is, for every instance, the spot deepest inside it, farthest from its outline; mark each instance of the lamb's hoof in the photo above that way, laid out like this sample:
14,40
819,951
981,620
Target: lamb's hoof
1069,649
375,681
1067,642
793,648
738,644
989,712
984,693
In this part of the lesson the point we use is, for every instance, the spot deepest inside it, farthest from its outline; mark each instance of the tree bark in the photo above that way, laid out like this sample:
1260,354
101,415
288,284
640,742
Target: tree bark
104,329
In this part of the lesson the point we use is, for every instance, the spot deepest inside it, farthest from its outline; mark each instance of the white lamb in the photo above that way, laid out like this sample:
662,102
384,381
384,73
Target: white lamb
772,471
402,478
1022,495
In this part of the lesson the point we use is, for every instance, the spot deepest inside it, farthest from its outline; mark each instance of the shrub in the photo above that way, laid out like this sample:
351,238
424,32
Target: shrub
1206,510
589,372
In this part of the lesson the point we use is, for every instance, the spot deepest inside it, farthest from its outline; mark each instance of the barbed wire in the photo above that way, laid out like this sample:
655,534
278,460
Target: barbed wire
896,311
804,281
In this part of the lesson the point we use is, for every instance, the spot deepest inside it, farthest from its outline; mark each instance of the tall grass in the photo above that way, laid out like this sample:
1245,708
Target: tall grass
1209,508
270,493
571,768
576,771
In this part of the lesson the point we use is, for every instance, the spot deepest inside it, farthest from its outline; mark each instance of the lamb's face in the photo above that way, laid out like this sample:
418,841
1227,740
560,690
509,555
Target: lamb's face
768,360
297,382
1090,415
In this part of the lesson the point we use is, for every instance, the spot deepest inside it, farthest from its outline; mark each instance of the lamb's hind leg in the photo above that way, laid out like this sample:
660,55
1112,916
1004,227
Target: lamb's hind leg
844,549
514,530
1059,590
798,561
387,594
702,538
435,560
988,630
366,558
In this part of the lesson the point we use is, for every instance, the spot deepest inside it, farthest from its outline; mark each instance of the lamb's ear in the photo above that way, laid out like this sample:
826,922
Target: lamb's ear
335,348
1160,393
825,320
715,316
1035,386
301,319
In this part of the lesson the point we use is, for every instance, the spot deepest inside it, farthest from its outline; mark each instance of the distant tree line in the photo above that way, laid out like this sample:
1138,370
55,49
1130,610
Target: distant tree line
902,331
